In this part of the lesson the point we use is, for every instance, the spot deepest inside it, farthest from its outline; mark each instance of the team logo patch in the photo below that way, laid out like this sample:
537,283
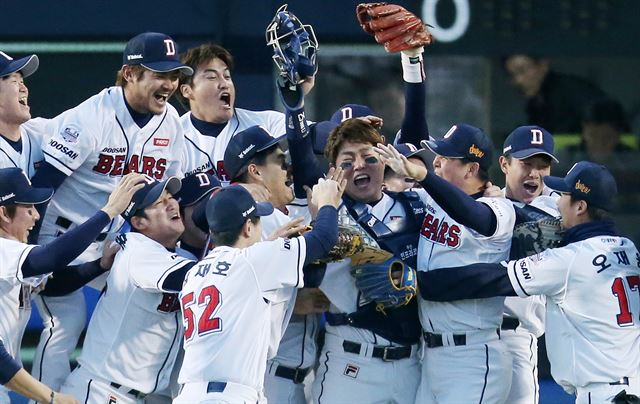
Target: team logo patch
351,370
582,188
70,134
158,141
286,245
475,150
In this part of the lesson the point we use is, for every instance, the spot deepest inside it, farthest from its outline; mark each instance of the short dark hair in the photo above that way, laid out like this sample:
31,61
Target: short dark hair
229,238
196,57
351,130
11,210
483,173
138,71
596,214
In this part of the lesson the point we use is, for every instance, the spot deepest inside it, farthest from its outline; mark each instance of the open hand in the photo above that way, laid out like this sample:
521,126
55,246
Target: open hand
399,163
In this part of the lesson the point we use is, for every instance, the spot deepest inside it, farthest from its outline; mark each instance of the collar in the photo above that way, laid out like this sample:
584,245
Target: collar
588,230
477,195
140,119
207,128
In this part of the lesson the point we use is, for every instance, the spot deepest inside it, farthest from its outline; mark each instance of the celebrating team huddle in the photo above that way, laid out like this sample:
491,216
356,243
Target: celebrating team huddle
223,249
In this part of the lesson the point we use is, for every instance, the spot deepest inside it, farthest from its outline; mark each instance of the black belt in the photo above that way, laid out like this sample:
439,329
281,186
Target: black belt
66,223
297,375
509,323
386,353
216,387
435,340
133,392
624,381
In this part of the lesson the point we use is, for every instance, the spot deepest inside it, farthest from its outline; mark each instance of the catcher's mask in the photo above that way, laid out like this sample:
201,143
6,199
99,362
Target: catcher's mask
294,46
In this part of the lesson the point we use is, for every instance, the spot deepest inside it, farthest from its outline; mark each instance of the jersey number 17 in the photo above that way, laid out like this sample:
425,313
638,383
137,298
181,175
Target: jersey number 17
625,318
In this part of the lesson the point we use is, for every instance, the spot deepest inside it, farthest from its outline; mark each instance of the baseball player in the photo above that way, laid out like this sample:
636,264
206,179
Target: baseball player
213,119
460,225
227,335
526,159
591,288
133,336
20,140
24,267
126,128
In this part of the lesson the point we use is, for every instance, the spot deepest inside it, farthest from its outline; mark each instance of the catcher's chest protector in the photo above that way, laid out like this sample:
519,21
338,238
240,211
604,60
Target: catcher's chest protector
399,237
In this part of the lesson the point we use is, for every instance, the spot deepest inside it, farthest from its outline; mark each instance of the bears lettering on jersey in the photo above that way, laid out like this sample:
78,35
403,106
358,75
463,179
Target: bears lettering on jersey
440,231
114,165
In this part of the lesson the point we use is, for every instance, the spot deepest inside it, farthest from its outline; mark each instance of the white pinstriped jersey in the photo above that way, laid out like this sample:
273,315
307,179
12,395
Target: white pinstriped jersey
530,311
134,333
592,311
33,133
206,153
227,312
95,144
12,256
447,243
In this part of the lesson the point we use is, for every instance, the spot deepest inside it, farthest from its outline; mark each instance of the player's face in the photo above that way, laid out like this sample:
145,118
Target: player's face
526,73
163,222
150,92
18,227
567,210
212,94
523,178
276,178
453,170
363,171
14,107
192,235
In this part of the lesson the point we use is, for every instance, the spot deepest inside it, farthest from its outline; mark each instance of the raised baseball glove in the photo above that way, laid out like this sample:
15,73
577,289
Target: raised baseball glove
389,284
393,26
357,245
530,238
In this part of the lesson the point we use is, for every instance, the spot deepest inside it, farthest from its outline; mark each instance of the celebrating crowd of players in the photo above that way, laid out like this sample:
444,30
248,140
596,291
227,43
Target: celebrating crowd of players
212,290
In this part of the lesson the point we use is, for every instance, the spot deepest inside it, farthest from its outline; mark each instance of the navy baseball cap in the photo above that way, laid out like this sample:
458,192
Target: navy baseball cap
195,187
150,193
324,128
244,146
588,181
15,188
463,141
527,141
27,65
230,207
154,51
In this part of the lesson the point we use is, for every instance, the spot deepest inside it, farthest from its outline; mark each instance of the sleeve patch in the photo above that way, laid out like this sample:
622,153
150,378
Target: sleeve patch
70,134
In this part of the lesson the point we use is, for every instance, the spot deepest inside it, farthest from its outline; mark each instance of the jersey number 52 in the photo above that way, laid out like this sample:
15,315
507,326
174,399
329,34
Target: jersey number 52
209,298
625,318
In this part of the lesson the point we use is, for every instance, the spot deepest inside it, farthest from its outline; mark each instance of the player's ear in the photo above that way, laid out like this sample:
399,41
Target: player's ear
254,171
503,161
138,223
185,90
472,170
4,216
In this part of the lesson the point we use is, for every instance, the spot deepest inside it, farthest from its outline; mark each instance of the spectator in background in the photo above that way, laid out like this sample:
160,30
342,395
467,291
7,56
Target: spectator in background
555,101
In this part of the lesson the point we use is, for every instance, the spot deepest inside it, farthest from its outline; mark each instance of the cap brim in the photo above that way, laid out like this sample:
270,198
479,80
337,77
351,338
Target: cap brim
526,153
26,65
264,208
556,183
172,185
441,148
34,196
167,66
271,143
199,216
423,154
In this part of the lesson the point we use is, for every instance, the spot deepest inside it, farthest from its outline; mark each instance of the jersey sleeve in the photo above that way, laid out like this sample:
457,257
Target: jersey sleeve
12,256
505,217
150,264
542,274
278,263
72,140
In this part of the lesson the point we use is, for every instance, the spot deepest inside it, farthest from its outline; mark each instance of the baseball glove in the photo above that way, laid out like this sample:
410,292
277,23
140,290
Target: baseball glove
353,243
393,26
389,284
530,238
